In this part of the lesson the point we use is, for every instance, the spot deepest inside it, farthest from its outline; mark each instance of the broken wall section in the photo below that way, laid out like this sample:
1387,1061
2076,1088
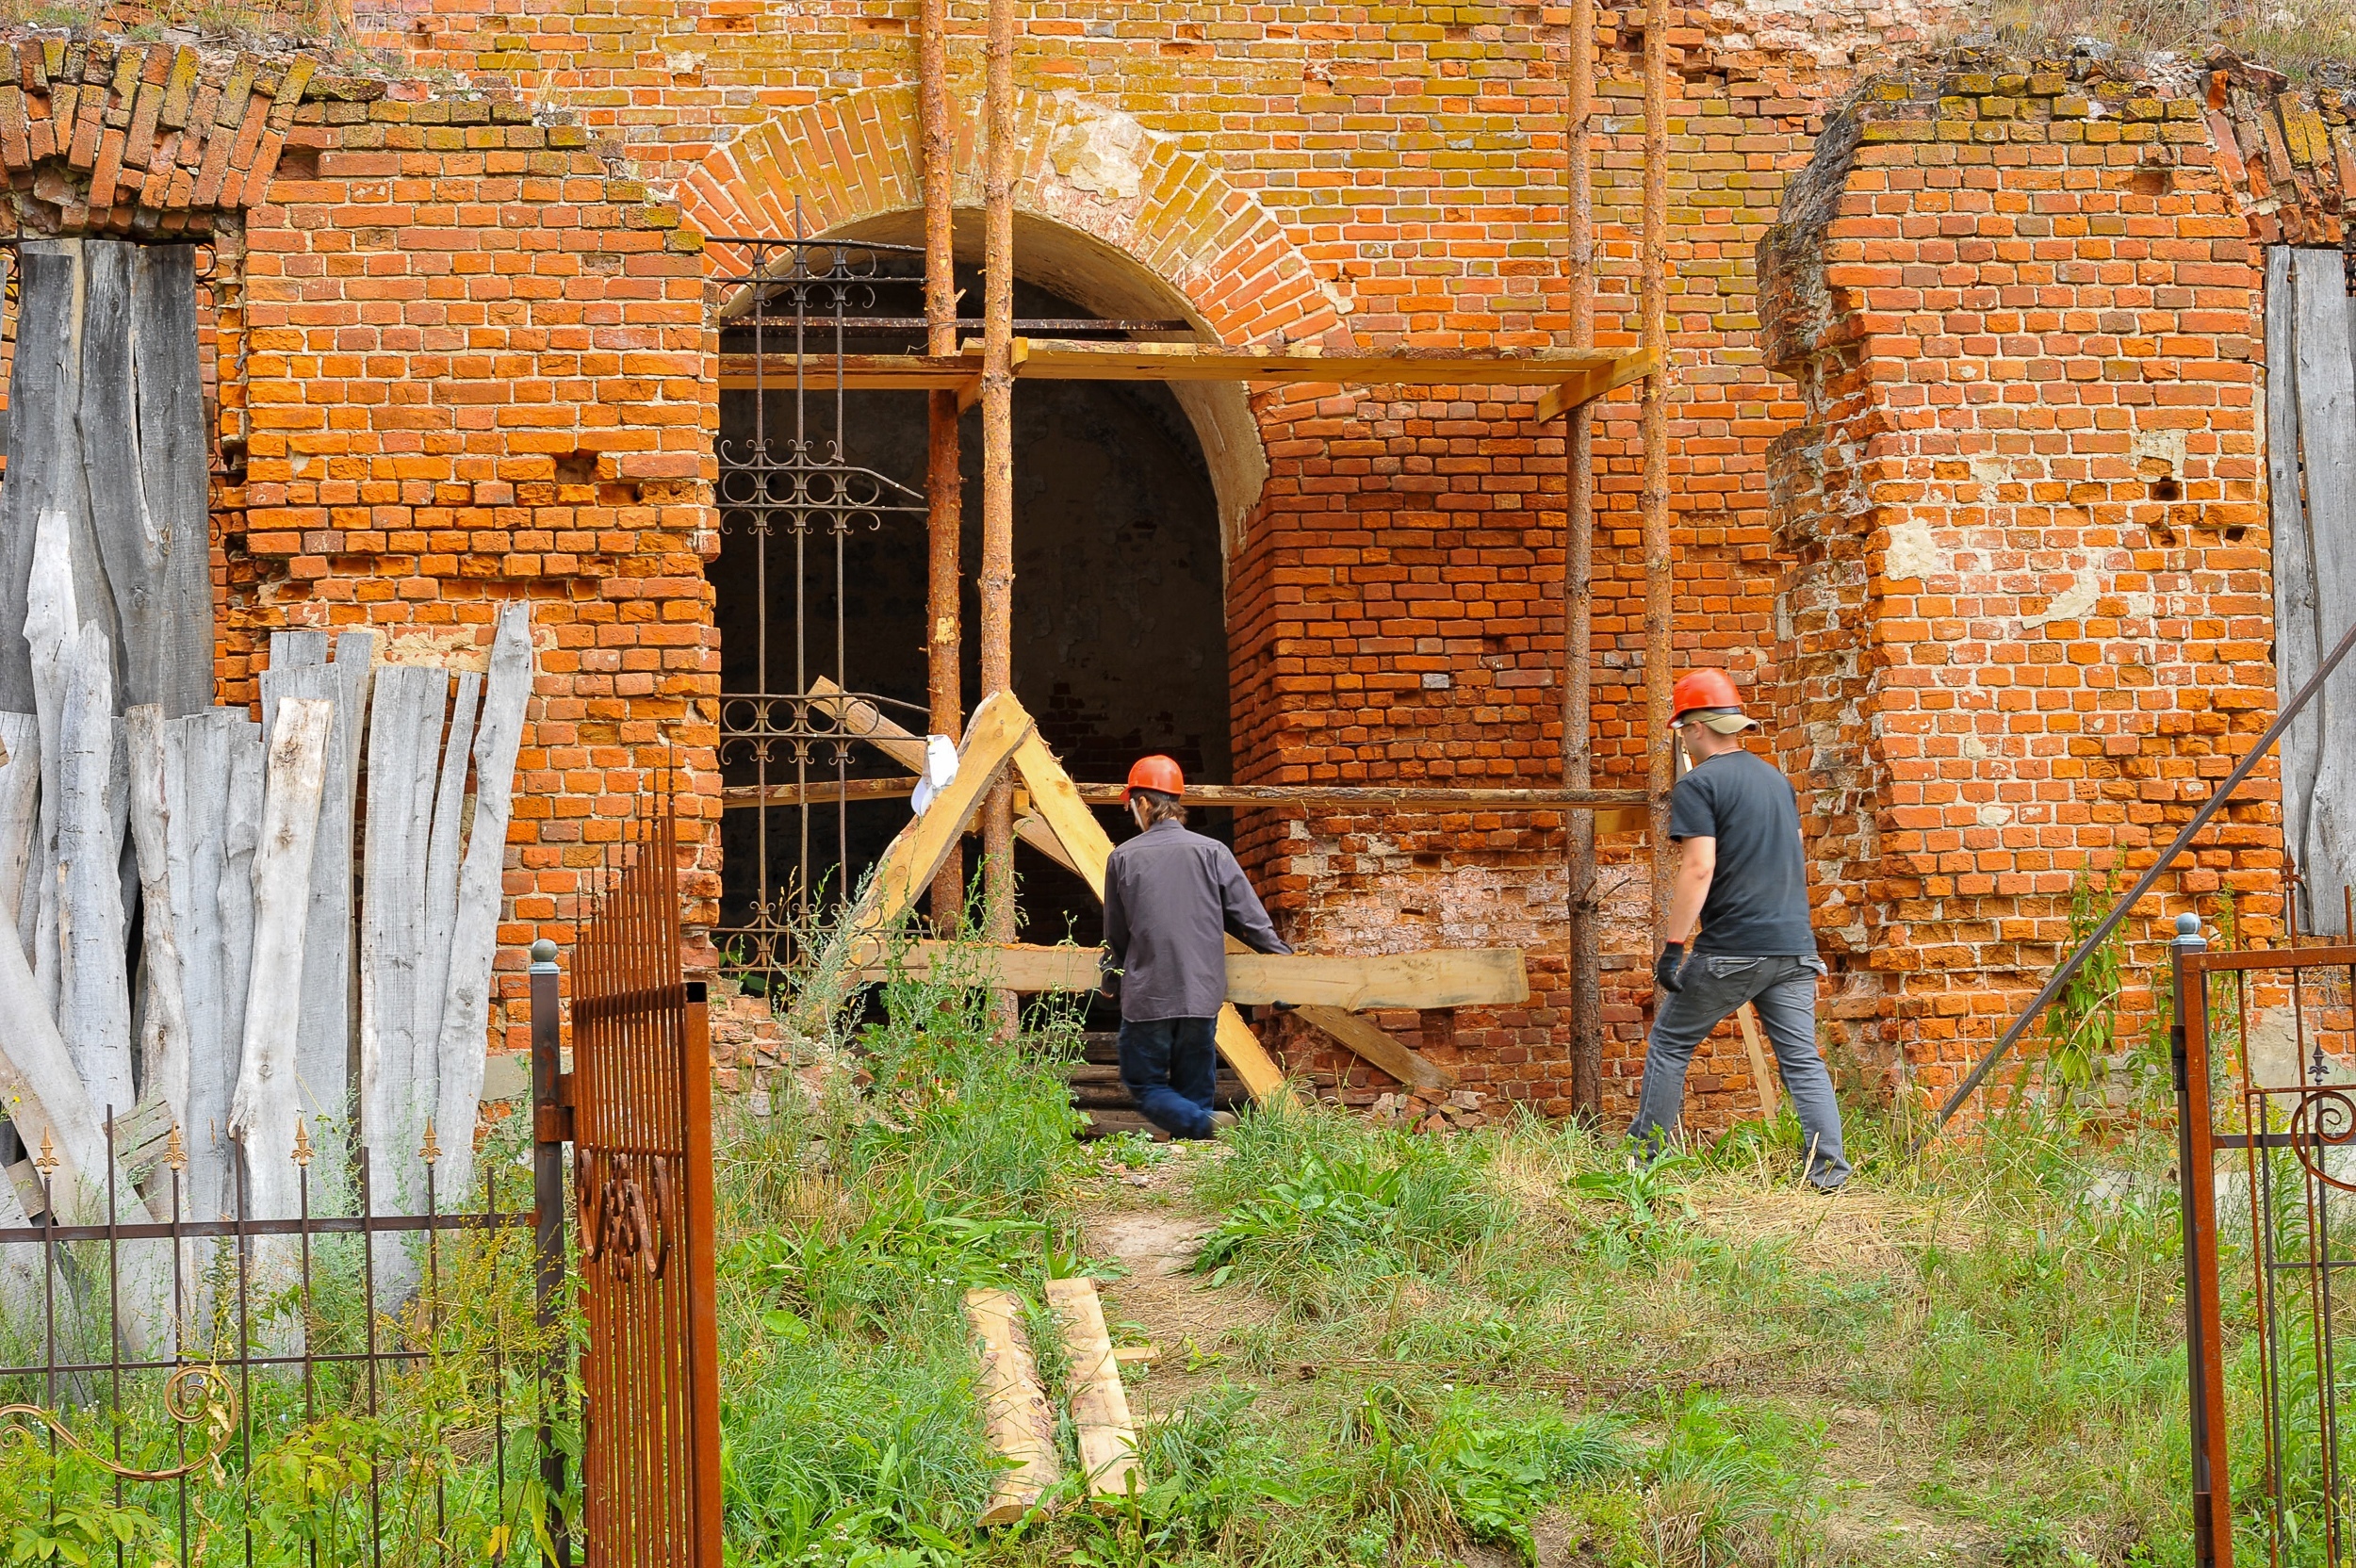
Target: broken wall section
475,362
2027,608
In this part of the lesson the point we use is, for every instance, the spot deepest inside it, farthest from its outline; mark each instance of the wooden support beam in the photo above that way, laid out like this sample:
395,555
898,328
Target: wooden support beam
910,859
1466,977
1100,1405
1748,1017
1562,397
1581,376
1604,802
1378,1047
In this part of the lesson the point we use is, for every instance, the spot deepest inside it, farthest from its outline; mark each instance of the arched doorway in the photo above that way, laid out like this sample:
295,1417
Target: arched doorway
1120,637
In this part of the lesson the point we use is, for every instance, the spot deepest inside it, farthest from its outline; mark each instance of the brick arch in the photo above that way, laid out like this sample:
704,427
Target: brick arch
1117,217
1094,173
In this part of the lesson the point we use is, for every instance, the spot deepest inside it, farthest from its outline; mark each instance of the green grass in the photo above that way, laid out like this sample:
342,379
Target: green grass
1515,1340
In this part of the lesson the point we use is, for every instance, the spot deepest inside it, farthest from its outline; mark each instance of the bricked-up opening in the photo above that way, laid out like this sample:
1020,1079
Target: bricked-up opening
1120,643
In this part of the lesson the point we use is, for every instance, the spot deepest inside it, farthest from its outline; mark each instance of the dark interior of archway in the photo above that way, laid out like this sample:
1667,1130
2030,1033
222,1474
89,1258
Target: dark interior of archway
1119,641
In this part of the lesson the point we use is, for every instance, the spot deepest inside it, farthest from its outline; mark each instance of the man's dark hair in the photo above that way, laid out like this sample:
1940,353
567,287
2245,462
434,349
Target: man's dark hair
1160,807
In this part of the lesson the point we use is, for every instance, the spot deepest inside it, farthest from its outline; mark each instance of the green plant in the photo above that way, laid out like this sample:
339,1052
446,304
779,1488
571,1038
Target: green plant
2083,1021
70,1515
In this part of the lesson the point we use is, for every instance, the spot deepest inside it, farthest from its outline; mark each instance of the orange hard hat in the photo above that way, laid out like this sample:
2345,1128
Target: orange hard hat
1710,691
1156,772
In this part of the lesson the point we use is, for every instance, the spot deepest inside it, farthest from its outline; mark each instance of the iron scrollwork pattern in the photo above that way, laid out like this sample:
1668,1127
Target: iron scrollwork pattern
796,492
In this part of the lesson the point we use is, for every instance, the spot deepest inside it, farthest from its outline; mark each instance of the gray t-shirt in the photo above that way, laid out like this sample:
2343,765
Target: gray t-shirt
1171,896
1757,901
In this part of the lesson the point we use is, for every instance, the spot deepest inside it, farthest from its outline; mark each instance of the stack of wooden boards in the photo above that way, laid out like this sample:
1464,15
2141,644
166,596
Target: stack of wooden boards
1021,1421
204,982
1328,992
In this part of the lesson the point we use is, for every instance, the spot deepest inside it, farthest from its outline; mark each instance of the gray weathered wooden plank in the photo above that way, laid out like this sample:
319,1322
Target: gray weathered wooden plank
107,431
20,812
443,845
474,935
396,1085
51,619
2327,438
174,472
296,649
198,769
2298,645
262,1113
44,465
240,837
95,990
164,1019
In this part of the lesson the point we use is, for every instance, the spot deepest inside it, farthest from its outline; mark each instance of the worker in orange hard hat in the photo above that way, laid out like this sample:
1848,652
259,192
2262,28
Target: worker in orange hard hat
1743,876
1171,898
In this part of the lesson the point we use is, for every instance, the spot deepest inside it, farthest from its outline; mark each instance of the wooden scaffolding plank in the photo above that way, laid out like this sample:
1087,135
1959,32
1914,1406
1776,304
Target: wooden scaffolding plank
1021,1426
1100,1405
1577,378
1376,1046
1604,803
1441,977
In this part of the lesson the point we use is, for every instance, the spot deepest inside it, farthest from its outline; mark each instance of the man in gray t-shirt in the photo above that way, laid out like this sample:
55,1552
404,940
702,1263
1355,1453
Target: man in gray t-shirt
1742,875
1171,897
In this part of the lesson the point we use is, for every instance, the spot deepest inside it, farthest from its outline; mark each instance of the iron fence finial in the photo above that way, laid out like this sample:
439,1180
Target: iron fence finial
301,1144
433,1148
47,1161
175,1152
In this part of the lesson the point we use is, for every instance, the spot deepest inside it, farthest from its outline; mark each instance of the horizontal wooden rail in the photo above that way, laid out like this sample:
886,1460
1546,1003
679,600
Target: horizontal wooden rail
1573,379
743,797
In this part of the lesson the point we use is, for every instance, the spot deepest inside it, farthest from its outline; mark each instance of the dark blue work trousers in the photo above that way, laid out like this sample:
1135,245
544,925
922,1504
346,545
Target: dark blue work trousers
1170,1066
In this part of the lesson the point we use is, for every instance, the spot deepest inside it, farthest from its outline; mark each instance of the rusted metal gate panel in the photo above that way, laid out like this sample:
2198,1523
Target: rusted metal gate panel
2265,1045
642,1173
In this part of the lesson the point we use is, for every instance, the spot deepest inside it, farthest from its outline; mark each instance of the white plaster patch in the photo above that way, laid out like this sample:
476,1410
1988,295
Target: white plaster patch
2071,603
1101,151
2160,446
1995,816
1975,748
1911,552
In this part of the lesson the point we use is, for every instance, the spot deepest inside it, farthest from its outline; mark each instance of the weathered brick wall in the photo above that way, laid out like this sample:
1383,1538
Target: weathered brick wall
2027,598
474,360
1386,176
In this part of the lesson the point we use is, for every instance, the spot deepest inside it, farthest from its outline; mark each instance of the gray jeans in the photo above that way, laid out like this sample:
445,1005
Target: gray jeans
1784,990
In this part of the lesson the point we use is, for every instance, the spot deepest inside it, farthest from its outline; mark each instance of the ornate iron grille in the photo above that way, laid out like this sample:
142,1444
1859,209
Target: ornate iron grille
797,496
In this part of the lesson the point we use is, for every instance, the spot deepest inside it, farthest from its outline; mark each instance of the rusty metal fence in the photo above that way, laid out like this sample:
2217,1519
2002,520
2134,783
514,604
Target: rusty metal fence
638,1108
234,1387
2264,1046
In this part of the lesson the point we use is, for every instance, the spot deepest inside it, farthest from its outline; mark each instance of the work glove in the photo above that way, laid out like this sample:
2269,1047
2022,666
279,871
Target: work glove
1665,969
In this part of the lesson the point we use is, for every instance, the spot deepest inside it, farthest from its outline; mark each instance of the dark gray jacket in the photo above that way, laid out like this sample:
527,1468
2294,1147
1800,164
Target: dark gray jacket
1169,897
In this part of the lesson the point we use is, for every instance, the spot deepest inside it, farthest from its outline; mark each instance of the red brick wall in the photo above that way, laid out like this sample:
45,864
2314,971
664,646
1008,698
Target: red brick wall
2028,607
474,361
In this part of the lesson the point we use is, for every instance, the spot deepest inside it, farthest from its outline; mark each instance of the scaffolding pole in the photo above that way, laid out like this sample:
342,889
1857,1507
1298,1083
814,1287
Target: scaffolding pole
996,579
1578,574
941,481
1653,306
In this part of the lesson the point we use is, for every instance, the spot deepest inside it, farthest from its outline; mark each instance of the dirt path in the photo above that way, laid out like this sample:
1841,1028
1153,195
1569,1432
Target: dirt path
1144,1220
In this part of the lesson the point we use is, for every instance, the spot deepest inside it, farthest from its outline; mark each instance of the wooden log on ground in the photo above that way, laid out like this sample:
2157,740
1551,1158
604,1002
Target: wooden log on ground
263,1112
164,1020
93,981
460,1050
1100,1405
1015,1410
